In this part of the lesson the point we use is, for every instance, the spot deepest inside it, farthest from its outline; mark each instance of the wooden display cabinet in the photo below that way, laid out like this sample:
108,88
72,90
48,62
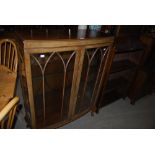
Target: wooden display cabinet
62,79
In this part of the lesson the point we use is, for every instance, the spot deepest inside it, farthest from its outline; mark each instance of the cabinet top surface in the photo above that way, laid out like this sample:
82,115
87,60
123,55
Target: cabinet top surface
60,38
57,34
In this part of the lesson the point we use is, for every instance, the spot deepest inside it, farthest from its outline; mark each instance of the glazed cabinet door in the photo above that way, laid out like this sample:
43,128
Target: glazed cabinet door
50,76
92,76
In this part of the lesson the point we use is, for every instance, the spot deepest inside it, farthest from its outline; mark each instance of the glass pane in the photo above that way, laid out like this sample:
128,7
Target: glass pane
94,60
52,75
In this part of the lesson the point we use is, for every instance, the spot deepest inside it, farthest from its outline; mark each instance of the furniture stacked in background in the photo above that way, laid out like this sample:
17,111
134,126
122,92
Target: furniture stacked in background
127,62
8,75
144,82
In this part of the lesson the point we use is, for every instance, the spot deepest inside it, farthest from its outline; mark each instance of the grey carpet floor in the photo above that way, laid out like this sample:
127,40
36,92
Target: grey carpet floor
117,115
120,115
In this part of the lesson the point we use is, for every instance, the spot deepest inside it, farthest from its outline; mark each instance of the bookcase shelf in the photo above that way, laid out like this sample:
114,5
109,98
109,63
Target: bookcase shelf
122,65
131,50
128,55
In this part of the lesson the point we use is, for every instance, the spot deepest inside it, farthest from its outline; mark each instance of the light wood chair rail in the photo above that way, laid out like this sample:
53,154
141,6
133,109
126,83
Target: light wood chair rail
7,114
8,54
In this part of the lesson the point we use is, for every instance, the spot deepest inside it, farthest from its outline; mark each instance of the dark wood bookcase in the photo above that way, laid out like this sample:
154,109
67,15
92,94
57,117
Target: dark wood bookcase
144,82
127,61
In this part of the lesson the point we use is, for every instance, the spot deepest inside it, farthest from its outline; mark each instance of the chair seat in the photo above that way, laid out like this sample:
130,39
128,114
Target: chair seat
7,85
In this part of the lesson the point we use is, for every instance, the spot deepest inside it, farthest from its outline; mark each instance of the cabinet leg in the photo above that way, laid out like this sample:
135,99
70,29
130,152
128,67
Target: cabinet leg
27,123
132,102
92,113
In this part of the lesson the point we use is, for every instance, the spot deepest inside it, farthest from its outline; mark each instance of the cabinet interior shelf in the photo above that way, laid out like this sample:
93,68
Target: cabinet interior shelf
110,97
112,92
129,50
122,65
115,83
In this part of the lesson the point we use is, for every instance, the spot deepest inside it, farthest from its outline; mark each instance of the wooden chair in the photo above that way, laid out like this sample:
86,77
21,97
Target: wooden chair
7,114
8,54
8,71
